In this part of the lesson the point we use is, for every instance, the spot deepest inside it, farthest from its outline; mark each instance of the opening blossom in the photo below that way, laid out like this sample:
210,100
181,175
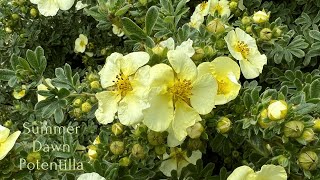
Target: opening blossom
126,86
51,7
221,7
198,15
267,172
244,48
178,95
7,142
80,44
227,73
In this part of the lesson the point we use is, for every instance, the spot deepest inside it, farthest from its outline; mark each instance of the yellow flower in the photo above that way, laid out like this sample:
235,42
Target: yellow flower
221,7
51,7
198,15
126,86
91,176
117,30
80,44
177,160
277,110
244,48
261,16
178,95
42,87
267,172
227,73
7,142
19,94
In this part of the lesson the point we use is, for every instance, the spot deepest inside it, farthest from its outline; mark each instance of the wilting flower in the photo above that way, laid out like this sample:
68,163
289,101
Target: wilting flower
7,142
244,48
80,43
227,73
178,94
51,7
177,160
117,30
91,176
261,16
267,172
126,86
221,7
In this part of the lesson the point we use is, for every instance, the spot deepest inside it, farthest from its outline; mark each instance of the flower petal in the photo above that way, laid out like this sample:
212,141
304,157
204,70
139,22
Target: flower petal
161,76
186,47
6,146
169,43
160,113
242,172
48,7
184,117
203,95
130,109
204,68
246,38
109,72
231,40
141,82
271,172
167,166
258,60
233,87
248,69
221,66
35,1
182,65
4,133
65,4
131,62
172,141
90,176
108,106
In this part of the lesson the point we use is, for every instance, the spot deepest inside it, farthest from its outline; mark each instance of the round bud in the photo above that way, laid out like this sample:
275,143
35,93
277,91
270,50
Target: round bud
209,51
77,102
15,16
233,6
8,124
216,26
224,125
248,29
195,131
117,147
92,152
246,20
261,16
283,161
266,34
262,119
235,154
158,50
93,77
194,144
308,135
77,113
277,110
33,12
137,151
33,157
125,162
220,44
8,30
293,129
86,107
308,160
316,126
155,138
160,149
117,129
95,85
276,32
198,55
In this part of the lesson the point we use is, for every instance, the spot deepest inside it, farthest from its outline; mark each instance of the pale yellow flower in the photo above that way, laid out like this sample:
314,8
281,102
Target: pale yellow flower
277,110
42,87
227,74
177,160
267,172
117,30
244,48
261,16
51,7
178,94
21,93
126,88
7,142
219,6
80,44
91,176
198,15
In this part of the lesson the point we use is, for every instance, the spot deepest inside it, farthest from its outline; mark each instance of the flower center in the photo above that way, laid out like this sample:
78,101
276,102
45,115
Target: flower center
223,86
203,6
123,84
243,48
82,43
181,90
219,8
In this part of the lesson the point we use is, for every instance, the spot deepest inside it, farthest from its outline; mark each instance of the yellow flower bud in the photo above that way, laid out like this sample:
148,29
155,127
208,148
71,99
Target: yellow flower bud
125,162
233,6
224,125
195,131
77,102
246,20
283,160
155,138
158,50
92,153
276,32
95,85
117,129
198,55
262,119
93,77
33,12
137,151
316,126
293,129
249,29
160,149
308,160
117,147
8,124
266,34
33,157
86,107
77,112
8,30
18,94
277,110
15,16
209,51
261,16
308,135
216,26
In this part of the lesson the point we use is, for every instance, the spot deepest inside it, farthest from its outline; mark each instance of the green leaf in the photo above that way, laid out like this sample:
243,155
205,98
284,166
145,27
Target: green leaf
58,116
63,92
32,59
132,28
87,167
315,89
315,34
123,10
6,74
14,61
151,19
